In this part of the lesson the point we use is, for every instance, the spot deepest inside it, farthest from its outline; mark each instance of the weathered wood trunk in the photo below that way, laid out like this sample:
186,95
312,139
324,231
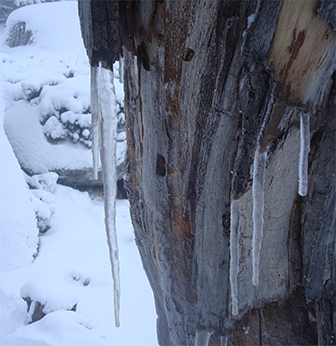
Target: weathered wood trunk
206,84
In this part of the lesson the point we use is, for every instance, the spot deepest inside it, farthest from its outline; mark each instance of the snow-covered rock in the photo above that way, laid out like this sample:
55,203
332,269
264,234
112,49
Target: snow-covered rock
46,296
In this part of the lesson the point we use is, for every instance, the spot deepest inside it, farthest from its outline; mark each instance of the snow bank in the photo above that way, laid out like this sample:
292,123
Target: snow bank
54,295
18,230
44,36
61,327
31,148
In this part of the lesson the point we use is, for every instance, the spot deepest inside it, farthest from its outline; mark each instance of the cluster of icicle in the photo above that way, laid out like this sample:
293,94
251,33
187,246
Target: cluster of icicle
259,171
104,132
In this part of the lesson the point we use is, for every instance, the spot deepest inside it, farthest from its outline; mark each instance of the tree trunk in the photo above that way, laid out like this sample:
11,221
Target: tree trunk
207,83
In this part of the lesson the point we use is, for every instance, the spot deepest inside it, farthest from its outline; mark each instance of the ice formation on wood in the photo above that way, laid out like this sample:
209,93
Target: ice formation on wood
234,253
258,210
107,109
202,338
304,152
94,121
223,340
121,69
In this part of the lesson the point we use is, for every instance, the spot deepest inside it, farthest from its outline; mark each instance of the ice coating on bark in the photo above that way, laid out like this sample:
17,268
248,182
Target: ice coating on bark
121,69
258,210
304,153
234,253
223,340
95,121
108,143
202,338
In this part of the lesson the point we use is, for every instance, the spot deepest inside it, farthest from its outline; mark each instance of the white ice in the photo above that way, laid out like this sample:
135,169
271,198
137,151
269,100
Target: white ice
202,338
108,120
223,340
304,153
95,121
258,210
234,253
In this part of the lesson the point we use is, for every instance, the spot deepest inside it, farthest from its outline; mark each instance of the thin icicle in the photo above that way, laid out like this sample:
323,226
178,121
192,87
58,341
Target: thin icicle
94,121
258,210
108,145
304,152
202,338
121,69
223,340
234,253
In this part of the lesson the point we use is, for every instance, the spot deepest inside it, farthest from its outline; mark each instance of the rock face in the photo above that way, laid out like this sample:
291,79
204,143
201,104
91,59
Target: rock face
206,85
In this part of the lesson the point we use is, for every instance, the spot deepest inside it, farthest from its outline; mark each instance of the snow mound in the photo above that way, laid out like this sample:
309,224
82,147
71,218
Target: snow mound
61,327
18,230
52,295
38,22
34,153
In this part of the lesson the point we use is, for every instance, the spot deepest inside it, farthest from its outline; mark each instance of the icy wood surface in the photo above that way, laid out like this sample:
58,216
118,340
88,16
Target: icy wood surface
259,171
198,84
234,254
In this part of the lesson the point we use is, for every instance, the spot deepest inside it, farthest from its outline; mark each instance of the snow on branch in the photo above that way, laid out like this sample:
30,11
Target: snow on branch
234,253
258,210
304,153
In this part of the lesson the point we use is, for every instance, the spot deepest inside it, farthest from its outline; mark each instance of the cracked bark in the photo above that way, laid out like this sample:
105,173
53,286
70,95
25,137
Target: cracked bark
202,80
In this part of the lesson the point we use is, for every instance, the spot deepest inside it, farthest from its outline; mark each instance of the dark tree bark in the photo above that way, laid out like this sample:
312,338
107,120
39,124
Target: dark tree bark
206,82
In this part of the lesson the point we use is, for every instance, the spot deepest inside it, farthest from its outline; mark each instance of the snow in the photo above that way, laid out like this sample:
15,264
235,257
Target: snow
258,210
52,294
44,36
304,153
36,154
234,253
72,263
47,89
18,235
108,121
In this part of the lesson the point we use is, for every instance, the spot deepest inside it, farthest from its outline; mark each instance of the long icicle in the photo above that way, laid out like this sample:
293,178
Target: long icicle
234,253
304,153
108,146
258,210
95,121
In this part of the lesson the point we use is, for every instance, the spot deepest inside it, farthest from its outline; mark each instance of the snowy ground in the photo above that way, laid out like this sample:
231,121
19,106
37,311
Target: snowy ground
72,265
73,257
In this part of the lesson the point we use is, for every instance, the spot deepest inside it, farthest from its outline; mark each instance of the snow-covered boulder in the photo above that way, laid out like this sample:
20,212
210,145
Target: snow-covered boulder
46,296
